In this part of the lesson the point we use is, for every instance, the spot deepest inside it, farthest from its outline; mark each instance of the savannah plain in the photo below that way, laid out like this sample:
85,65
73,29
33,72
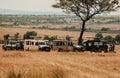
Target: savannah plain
53,64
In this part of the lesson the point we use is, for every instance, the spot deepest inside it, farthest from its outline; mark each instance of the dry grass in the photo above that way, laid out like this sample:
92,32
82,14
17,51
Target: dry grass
41,72
15,64
110,26
42,32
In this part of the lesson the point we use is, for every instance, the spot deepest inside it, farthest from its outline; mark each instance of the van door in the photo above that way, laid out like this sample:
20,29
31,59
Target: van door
34,45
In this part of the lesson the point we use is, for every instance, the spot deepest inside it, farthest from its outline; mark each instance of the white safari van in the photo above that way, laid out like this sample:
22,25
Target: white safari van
30,44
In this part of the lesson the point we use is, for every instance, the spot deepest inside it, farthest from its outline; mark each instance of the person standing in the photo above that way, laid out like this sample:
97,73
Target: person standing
110,47
113,48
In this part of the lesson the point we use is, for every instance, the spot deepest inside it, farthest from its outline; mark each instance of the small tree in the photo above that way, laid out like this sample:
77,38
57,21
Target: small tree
109,39
46,37
105,29
68,38
99,35
6,37
53,38
117,39
86,9
28,34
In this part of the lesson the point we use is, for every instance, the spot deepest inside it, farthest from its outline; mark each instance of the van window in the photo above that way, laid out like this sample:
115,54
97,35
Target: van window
41,43
27,43
57,43
32,43
65,43
96,43
89,44
100,43
60,43
84,44
36,43
70,43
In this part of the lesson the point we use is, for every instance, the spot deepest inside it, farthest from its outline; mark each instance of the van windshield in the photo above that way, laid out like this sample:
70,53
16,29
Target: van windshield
12,42
41,43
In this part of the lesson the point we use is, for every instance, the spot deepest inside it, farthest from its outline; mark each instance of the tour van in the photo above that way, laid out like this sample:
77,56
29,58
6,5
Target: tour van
62,45
31,44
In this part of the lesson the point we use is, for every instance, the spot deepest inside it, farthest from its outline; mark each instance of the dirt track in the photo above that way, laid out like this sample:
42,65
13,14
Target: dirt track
78,65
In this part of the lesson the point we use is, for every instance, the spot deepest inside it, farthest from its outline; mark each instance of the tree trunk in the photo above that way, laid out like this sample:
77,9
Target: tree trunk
81,33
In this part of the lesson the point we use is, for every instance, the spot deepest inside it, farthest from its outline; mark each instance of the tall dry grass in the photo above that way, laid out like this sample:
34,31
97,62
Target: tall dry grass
19,64
54,72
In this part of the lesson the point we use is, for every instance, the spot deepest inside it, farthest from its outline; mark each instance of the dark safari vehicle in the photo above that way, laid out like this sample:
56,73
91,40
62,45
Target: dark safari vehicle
95,45
13,44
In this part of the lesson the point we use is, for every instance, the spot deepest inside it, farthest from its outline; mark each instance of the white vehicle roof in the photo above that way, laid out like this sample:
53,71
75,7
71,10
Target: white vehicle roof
40,40
36,40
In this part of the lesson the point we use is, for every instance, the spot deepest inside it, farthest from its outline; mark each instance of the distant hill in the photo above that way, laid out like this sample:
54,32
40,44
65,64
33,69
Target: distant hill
17,12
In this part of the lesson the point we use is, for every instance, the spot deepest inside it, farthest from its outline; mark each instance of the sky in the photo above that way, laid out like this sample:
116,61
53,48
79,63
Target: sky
28,5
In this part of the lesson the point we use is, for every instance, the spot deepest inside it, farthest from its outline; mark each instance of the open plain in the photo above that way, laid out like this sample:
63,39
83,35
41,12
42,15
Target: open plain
38,64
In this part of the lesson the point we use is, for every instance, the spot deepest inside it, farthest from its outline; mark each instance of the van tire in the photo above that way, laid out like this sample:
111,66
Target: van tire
59,50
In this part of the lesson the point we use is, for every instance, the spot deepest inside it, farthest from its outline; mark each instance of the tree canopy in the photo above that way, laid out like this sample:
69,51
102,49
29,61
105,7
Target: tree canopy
86,9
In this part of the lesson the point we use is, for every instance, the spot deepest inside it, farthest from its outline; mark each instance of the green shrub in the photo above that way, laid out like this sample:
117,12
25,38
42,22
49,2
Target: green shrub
105,29
2,41
99,35
109,39
117,39
46,37
68,37
28,34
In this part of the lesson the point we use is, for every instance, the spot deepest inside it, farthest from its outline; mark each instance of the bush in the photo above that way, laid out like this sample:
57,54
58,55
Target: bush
28,34
2,41
117,39
105,29
99,35
110,39
53,38
46,37
68,38
6,36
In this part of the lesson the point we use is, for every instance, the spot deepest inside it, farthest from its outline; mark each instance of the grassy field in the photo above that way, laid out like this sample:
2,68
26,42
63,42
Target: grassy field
36,64
29,64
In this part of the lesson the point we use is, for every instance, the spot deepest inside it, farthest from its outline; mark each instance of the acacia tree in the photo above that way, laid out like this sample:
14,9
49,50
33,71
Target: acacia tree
86,9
